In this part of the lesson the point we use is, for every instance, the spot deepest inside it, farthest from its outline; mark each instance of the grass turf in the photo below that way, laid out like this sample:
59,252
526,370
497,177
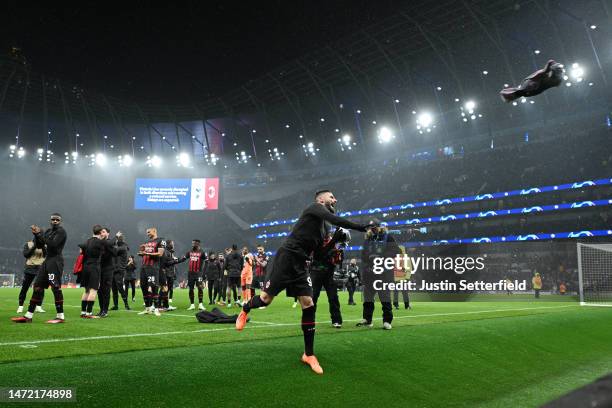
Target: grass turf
485,353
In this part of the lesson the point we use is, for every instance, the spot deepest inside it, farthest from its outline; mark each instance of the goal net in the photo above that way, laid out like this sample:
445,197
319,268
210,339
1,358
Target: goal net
595,274
7,280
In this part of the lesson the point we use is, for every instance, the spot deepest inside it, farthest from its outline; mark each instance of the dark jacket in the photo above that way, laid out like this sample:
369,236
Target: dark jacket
130,272
107,262
122,256
382,245
353,273
169,262
233,264
213,270
52,240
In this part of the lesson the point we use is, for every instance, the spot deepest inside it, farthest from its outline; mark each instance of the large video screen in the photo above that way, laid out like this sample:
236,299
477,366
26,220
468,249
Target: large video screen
196,194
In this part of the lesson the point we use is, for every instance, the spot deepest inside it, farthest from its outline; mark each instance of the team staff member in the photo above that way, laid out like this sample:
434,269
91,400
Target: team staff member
352,281
50,272
121,262
107,265
213,275
195,276
166,275
402,276
233,262
130,277
536,281
222,279
170,270
34,259
289,267
89,278
151,252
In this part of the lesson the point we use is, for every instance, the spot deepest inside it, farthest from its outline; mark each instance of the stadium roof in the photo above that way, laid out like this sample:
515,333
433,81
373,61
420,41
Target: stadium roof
390,45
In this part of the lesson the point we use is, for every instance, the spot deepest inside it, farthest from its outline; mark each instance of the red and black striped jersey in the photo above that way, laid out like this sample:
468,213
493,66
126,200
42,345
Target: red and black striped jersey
151,247
260,270
196,260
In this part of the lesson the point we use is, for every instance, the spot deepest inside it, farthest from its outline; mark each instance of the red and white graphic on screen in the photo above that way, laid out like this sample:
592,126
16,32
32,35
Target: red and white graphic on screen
204,194
212,194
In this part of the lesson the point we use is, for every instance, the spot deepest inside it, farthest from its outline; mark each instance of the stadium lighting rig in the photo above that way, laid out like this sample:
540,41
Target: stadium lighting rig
242,157
275,154
154,161
211,159
577,72
183,160
310,149
68,157
15,151
468,111
385,135
125,160
101,159
346,142
425,122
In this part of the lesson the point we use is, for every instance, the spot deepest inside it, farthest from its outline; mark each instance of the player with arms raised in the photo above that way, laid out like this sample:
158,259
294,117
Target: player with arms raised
289,267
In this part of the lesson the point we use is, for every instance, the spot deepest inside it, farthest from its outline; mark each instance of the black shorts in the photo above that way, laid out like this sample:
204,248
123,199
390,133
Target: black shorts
163,279
90,276
288,272
149,276
195,279
50,273
233,280
258,281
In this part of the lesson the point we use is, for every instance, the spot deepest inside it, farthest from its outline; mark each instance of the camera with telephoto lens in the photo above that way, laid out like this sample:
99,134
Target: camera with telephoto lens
342,236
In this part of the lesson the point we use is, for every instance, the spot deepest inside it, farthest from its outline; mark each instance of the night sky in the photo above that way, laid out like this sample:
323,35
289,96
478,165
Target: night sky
176,54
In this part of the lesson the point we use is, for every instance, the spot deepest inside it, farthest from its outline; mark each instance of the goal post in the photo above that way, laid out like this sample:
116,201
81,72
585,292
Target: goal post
595,274
7,280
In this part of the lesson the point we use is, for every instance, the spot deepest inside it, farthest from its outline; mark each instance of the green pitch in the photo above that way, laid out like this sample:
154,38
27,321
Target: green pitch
489,353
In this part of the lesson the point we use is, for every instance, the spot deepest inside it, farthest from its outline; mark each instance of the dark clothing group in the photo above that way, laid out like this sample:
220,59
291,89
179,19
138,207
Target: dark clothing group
104,266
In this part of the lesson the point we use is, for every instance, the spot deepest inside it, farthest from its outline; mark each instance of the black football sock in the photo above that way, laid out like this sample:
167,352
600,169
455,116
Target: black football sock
36,299
191,296
83,306
90,305
59,300
308,328
164,299
154,296
145,290
254,303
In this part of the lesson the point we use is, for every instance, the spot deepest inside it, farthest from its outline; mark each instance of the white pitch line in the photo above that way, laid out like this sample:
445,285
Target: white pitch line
123,336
